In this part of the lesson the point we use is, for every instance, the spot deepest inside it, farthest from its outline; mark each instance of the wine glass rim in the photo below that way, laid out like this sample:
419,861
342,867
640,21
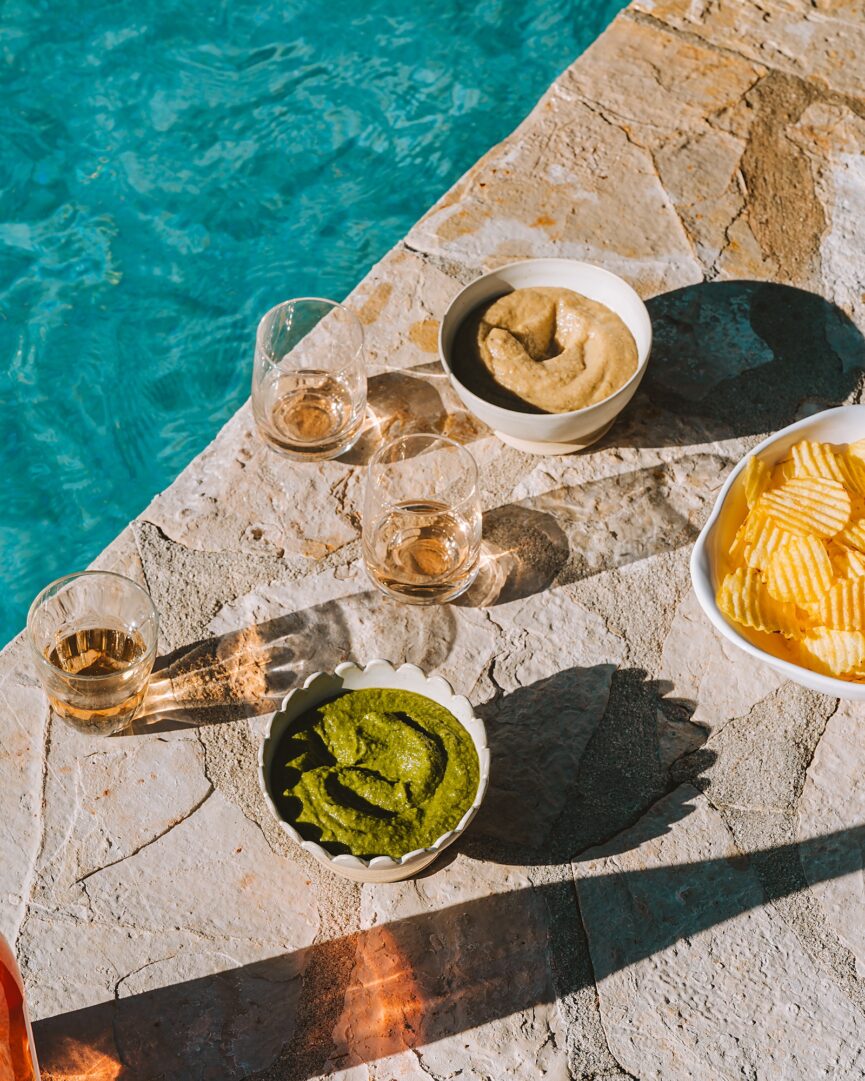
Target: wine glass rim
465,455
62,580
269,354
404,437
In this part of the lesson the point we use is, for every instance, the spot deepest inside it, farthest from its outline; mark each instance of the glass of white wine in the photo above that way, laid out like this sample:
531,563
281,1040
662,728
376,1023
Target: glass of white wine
309,379
422,519
93,639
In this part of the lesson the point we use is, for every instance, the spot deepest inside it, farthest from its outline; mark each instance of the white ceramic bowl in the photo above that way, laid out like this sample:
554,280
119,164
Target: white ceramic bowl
842,425
349,677
550,433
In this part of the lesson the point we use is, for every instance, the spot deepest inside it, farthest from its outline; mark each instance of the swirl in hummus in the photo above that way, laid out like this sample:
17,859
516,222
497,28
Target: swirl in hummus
550,348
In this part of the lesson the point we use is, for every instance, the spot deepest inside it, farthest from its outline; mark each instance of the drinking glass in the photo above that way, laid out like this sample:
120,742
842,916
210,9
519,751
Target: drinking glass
93,637
422,519
308,379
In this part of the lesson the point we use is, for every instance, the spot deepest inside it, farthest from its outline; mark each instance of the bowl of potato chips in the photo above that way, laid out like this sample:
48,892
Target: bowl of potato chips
779,567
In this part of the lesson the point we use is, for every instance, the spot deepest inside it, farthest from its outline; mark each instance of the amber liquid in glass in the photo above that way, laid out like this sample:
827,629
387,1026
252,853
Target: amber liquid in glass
96,651
99,651
314,416
422,551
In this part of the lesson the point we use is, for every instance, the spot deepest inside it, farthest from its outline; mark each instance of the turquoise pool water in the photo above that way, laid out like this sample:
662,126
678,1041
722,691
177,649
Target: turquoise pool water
168,171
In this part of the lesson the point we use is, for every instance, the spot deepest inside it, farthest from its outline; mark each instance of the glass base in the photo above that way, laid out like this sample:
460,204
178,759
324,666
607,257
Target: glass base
314,452
432,594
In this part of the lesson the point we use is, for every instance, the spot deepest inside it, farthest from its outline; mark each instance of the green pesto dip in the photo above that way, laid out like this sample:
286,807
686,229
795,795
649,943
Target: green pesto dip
375,773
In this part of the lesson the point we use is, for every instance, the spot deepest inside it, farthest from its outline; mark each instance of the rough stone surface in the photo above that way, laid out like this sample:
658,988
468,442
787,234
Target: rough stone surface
698,661
404,1011
666,879
817,40
684,946
830,826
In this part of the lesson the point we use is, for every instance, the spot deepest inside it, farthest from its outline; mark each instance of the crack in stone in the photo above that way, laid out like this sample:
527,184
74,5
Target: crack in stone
787,890
615,120
215,940
152,841
135,971
809,926
27,892
429,1072
692,38
807,766
591,969
714,270
247,814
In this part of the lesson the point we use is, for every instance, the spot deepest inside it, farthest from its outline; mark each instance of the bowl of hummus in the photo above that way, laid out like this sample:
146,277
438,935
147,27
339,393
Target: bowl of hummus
374,770
546,352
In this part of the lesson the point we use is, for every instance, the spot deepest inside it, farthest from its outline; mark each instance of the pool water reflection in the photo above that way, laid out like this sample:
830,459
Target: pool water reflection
168,173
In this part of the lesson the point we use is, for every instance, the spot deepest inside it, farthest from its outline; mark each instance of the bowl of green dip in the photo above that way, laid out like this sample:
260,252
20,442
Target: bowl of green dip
374,770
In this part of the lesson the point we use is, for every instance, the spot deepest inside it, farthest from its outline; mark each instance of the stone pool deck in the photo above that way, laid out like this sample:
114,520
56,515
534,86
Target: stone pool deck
666,880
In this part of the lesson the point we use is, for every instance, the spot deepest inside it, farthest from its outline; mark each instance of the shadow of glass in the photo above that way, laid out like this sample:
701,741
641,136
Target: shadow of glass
740,358
384,990
399,403
575,759
577,531
523,551
248,672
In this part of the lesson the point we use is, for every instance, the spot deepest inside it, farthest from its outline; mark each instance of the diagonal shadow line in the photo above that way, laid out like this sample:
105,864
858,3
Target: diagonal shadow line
249,671
542,542
581,530
422,978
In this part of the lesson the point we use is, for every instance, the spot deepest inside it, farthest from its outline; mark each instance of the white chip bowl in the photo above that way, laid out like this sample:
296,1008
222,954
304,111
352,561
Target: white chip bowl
842,425
550,433
377,674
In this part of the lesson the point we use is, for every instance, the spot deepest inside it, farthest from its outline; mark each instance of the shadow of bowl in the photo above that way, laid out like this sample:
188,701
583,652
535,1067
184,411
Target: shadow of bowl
741,358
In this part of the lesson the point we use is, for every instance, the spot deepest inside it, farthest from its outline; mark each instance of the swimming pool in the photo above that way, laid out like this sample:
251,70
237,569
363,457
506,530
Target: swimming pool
170,171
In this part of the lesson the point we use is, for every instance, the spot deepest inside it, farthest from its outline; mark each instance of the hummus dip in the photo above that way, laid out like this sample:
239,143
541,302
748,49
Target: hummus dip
376,773
550,349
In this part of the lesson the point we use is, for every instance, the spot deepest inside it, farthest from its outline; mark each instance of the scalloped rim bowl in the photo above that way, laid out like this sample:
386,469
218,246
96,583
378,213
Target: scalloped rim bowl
377,674
550,433
842,425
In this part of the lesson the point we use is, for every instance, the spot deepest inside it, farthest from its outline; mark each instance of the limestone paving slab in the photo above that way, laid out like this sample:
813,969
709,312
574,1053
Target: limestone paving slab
488,923
818,40
678,1001
666,878
835,868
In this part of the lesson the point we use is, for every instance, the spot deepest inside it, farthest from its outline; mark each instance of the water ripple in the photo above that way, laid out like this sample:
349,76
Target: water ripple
168,172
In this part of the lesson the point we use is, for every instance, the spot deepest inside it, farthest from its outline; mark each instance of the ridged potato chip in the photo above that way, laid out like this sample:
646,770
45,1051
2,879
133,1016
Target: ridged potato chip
808,505
746,534
800,571
843,606
857,448
852,469
838,652
797,563
737,548
854,535
809,616
744,598
782,472
760,544
815,460
756,479
846,562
